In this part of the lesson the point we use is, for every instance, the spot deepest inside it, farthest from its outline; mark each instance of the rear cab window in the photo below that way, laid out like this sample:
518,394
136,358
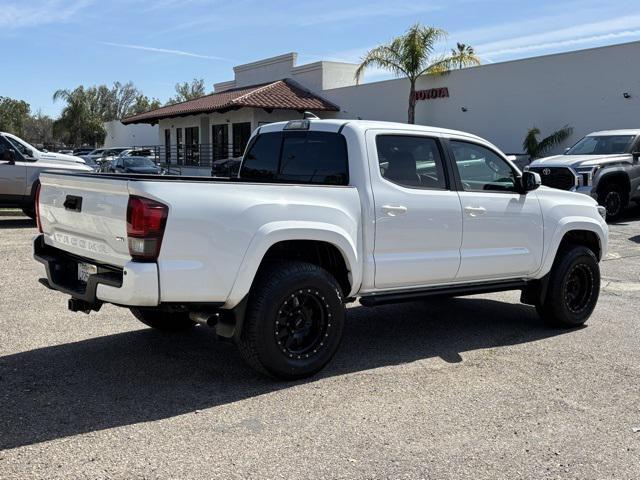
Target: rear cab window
297,157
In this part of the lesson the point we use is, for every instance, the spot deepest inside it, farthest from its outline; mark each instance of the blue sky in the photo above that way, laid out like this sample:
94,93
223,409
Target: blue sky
52,44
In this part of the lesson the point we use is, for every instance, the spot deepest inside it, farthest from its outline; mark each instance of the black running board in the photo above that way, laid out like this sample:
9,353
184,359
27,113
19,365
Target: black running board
448,290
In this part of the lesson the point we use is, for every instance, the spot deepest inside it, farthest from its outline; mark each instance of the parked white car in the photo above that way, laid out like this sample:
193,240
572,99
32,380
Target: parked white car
323,212
20,166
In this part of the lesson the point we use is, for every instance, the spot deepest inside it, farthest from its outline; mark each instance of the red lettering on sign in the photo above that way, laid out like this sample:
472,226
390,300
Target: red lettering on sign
432,93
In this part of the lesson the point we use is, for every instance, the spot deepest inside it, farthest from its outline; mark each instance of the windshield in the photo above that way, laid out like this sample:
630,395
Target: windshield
20,145
138,162
602,145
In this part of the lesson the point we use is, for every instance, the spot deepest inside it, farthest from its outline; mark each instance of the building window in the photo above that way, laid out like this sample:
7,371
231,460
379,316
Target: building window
220,140
167,145
179,155
192,153
241,134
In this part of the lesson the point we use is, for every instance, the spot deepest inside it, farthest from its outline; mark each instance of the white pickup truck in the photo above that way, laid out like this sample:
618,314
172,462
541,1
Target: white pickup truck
323,212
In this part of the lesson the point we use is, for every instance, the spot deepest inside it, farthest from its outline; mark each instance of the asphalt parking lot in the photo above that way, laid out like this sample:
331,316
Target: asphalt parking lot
471,387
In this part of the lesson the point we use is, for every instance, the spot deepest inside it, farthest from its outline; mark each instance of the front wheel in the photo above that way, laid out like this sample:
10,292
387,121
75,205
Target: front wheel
614,199
294,320
573,290
163,320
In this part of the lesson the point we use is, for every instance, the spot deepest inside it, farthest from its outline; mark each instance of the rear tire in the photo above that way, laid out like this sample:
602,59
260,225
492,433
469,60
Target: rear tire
294,320
573,289
163,320
614,198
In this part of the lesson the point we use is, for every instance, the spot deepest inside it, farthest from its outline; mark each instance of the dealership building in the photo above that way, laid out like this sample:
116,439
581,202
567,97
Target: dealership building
592,89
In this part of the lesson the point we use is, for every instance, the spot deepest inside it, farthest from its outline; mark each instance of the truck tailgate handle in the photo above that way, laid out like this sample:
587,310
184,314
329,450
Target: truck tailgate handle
73,202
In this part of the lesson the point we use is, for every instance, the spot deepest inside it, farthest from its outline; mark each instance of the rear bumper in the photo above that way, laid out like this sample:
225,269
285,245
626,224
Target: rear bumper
135,284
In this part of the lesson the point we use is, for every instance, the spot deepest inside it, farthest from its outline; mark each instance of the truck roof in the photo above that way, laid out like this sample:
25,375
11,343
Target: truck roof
338,123
628,131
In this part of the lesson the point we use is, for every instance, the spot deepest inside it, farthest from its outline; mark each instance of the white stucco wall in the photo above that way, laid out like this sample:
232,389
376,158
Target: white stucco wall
119,135
583,89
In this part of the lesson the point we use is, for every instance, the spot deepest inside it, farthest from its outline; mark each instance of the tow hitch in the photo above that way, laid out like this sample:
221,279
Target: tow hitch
77,305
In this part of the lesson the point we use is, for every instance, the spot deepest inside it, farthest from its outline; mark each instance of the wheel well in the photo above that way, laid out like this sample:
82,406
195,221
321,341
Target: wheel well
619,178
582,237
323,254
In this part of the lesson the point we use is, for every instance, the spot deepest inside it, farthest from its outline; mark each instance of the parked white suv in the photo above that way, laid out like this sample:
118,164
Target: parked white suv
20,166
323,212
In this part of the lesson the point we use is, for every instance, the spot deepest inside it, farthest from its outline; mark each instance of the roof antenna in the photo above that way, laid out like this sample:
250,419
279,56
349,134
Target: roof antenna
310,116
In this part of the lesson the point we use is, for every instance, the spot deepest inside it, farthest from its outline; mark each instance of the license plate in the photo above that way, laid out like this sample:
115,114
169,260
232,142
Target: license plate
84,270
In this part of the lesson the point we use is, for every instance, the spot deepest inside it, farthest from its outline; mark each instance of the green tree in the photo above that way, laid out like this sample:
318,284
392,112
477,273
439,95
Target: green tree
38,128
536,149
80,121
13,115
410,55
464,55
144,104
188,91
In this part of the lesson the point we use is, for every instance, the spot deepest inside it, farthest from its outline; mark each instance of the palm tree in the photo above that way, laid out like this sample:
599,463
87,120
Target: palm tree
78,122
464,55
410,55
536,149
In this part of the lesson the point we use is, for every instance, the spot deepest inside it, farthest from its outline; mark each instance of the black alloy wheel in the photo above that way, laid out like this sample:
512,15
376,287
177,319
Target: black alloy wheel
294,320
573,288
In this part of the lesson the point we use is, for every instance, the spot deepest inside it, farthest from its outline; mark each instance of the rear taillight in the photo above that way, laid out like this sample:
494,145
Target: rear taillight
37,208
146,220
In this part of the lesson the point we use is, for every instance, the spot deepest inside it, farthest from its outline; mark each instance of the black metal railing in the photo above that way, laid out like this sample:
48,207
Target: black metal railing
201,155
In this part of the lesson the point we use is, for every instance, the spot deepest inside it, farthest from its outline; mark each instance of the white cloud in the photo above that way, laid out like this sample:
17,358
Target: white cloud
16,15
578,34
380,9
163,50
564,43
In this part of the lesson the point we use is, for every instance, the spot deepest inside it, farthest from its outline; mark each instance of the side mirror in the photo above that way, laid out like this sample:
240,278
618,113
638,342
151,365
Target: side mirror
9,155
28,153
636,156
530,181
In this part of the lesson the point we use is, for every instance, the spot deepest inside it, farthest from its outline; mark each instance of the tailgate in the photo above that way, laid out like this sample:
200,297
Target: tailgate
86,215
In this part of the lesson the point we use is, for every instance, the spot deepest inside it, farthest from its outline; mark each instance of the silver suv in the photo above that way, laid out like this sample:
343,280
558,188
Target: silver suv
604,165
20,167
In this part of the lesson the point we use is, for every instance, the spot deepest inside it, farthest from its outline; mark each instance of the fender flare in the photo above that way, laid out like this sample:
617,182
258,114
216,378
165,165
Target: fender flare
613,176
275,232
567,225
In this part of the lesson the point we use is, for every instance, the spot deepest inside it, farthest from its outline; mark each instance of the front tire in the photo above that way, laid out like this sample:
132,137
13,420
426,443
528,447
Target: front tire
163,320
573,289
614,198
294,320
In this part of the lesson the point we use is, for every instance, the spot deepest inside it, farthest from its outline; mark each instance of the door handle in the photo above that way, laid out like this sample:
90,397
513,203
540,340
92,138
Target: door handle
475,211
393,210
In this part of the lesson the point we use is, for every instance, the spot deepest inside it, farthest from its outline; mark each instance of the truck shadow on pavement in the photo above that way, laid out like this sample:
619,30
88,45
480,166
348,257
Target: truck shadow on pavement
16,222
145,375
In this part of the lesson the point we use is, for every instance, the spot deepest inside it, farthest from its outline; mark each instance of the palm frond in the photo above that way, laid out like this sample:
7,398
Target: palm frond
530,142
383,56
555,139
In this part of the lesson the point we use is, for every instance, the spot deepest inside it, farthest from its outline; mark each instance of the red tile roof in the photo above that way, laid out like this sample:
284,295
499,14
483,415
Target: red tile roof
280,95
